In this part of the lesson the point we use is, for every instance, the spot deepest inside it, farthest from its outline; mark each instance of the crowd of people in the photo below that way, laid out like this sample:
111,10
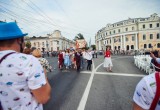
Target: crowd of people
23,73
75,59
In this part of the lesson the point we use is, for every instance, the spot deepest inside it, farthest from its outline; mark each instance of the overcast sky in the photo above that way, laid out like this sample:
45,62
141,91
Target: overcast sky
41,17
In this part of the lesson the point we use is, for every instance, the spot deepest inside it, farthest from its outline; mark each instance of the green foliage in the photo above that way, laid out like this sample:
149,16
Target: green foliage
28,44
78,37
93,47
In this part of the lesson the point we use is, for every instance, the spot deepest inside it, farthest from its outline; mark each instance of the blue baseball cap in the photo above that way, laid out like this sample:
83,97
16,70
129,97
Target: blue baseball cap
10,31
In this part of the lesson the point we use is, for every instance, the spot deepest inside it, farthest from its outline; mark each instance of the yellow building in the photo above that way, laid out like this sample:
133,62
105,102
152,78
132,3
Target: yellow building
131,34
52,42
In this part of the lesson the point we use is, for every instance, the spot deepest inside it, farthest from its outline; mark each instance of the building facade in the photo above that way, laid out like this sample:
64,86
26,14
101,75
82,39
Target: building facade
52,42
131,34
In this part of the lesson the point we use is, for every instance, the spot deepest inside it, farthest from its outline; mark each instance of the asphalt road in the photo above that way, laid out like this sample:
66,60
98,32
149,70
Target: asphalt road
96,89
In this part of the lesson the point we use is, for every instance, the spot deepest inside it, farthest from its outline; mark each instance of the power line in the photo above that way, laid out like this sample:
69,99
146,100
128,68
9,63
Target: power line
49,17
44,22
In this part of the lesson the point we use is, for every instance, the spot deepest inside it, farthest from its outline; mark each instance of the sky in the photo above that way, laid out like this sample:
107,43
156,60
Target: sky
42,17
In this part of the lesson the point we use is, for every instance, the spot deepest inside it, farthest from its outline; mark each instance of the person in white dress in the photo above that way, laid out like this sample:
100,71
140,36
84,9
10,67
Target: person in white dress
107,60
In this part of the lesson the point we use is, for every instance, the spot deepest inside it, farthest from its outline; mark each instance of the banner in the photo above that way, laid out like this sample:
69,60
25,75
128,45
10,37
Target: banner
80,43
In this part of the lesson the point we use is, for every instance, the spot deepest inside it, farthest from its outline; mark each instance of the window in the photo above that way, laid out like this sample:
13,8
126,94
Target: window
132,28
144,37
114,31
57,48
158,36
126,39
149,46
151,36
145,46
132,46
144,26
38,44
127,47
107,41
43,43
57,42
133,38
158,45
110,40
150,25
157,24
119,40
126,29
106,33
34,44
119,30
110,32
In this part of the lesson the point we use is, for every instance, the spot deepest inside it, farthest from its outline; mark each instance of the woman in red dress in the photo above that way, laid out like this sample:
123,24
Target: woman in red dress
107,61
60,59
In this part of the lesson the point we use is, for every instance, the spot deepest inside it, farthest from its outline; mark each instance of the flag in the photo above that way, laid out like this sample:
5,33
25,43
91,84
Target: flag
80,43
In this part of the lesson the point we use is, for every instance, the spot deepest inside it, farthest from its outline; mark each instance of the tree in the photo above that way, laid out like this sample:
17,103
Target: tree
93,47
28,44
78,37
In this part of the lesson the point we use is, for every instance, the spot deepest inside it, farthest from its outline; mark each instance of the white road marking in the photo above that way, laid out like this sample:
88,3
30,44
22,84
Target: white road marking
84,98
120,74
88,72
114,74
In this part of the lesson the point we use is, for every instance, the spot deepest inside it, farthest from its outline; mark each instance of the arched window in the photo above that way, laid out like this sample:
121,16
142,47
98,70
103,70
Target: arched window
127,47
145,46
149,46
132,46
115,47
158,36
158,45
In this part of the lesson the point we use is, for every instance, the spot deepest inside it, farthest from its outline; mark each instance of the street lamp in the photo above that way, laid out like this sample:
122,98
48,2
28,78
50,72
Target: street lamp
47,44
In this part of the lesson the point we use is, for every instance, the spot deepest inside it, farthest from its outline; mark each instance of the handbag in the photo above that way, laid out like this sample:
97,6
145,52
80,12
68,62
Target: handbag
157,95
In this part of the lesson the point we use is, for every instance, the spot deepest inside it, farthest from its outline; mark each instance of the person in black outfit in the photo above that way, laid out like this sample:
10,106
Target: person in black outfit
48,53
95,53
78,60
89,59
89,64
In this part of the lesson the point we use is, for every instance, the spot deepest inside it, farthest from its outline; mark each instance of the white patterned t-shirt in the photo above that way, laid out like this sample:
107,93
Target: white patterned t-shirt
145,92
19,74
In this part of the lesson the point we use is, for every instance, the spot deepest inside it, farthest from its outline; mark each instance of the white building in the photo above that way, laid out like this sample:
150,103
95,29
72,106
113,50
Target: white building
52,42
131,34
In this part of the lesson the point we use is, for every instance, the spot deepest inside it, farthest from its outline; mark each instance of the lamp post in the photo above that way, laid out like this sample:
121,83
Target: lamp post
47,44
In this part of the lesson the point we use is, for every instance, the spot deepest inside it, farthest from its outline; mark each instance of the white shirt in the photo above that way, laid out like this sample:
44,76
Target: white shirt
19,74
145,92
88,55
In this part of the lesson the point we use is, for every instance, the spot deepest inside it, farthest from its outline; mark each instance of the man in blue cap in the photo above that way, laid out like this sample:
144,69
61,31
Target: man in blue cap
23,83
